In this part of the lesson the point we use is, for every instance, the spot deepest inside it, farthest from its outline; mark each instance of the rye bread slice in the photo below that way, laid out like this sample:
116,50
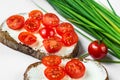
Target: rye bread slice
7,40
86,61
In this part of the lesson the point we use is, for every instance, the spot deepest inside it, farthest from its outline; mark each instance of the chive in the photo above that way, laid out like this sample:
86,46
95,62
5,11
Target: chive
111,7
108,61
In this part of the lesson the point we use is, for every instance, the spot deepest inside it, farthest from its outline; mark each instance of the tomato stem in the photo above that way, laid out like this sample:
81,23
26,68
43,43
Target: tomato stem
83,55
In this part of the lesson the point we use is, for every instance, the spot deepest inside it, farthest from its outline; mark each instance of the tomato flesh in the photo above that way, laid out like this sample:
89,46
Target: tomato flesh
54,73
52,60
97,50
69,38
36,14
32,25
50,20
46,32
52,44
27,38
75,68
64,27
15,22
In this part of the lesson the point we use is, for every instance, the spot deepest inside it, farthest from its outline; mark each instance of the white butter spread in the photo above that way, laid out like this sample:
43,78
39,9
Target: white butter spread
94,71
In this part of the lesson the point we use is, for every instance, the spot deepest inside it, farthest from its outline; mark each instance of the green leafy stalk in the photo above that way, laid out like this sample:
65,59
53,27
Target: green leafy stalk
111,7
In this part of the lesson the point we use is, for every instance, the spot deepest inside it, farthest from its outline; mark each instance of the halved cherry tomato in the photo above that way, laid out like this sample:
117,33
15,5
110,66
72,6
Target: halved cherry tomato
64,27
36,14
75,68
97,50
32,25
15,22
69,38
50,20
51,60
54,73
47,32
27,38
52,44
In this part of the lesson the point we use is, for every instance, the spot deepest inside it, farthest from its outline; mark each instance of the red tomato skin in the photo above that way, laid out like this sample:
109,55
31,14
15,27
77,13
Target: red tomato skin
69,38
64,27
51,60
27,38
46,32
54,73
50,20
97,50
15,22
53,44
75,68
36,14
32,25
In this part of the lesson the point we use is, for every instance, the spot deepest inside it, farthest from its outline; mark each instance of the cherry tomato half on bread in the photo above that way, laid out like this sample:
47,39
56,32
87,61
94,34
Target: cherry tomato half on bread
36,14
51,60
46,32
27,38
54,73
75,68
52,44
32,25
69,38
64,27
97,49
15,22
50,20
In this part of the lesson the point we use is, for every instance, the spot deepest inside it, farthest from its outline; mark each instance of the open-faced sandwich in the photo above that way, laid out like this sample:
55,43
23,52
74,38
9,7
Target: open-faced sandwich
39,34
54,68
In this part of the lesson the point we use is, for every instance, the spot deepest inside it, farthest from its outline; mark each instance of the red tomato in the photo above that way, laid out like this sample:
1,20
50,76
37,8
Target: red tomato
64,27
15,22
69,38
32,25
47,32
36,14
97,49
75,68
54,73
52,60
50,20
27,38
52,44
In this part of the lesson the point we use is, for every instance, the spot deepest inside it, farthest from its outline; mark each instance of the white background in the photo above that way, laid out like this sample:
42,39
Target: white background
13,63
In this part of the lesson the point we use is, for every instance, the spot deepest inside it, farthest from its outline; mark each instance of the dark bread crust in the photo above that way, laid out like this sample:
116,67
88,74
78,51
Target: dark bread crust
38,63
7,40
29,67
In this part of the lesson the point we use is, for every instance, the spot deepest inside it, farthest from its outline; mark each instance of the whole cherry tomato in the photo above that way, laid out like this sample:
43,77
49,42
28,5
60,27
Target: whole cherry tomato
15,22
75,68
36,14
46,32
51,60
50,20
27,38
54,73
97,49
